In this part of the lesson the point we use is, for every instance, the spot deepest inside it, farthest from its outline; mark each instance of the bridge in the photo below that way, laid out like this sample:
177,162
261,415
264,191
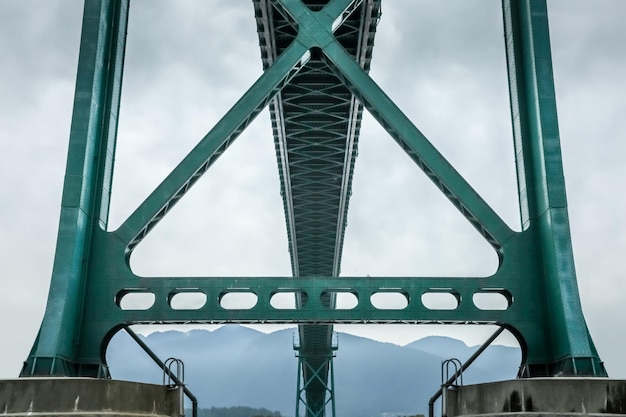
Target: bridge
316,56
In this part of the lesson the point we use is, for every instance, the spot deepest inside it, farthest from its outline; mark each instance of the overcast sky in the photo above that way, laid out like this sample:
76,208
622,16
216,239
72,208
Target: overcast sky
187,63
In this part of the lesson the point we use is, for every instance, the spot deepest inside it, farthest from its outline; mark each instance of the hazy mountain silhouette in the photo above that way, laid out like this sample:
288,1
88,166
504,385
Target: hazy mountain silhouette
238,366
496,363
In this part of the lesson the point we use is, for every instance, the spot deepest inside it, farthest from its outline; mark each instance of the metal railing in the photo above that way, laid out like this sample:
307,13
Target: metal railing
450,382
178,380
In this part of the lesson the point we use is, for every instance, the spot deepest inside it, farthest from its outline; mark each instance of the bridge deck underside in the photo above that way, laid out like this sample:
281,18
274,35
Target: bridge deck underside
316,122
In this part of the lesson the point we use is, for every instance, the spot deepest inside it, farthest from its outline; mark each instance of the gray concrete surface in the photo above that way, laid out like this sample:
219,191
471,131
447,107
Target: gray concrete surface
540,396
85,397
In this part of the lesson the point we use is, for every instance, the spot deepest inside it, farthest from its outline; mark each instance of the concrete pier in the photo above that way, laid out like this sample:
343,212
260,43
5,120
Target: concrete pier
85,397
540,396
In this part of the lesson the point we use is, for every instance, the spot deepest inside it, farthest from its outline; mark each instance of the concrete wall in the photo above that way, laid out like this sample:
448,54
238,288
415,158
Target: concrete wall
85,396
540,395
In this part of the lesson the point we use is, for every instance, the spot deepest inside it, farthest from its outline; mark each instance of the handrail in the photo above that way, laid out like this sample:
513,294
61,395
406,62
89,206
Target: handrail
448,382
166,370
470,360
178,384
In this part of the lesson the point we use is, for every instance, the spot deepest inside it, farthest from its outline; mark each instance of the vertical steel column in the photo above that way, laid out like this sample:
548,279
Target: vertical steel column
315,371
542,197
86,191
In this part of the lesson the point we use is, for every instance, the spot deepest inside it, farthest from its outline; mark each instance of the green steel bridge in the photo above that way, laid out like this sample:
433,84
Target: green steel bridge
316,55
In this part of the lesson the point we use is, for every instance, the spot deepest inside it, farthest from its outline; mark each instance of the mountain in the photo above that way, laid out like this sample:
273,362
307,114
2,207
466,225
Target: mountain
487,367
239,366
227,367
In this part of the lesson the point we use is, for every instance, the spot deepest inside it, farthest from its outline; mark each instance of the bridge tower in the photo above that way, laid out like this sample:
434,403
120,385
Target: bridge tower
316,56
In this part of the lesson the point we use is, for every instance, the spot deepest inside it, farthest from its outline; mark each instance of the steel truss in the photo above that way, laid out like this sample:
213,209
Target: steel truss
316,380
91,273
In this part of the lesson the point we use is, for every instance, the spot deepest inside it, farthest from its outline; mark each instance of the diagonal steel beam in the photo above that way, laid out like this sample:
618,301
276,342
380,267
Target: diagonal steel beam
330,17
208,150
418,147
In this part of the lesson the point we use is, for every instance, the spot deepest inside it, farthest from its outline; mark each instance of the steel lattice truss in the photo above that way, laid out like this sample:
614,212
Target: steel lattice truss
316,56
316,122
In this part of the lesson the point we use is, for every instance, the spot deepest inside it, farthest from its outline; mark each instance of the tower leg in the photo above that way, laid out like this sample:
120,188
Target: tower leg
319,373
543,203
86,191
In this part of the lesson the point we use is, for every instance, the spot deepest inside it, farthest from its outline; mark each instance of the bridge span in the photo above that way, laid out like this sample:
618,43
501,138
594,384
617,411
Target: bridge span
316,55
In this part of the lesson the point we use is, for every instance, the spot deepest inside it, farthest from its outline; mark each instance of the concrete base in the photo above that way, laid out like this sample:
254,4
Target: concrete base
85,397
540,396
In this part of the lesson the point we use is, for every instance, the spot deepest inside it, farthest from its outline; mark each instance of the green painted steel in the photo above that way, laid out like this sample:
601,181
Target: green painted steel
315,386
536,274
316,123
86,190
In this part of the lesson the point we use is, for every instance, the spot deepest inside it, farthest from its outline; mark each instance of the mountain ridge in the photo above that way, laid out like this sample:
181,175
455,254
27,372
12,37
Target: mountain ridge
238,366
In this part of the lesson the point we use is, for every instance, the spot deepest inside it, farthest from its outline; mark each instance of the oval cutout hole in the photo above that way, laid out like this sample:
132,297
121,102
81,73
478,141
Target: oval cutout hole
491,300
389,300
440,301
346,300
188,300
238,300
136,301
284,300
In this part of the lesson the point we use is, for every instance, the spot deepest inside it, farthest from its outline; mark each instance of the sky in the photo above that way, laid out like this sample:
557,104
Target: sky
188,61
